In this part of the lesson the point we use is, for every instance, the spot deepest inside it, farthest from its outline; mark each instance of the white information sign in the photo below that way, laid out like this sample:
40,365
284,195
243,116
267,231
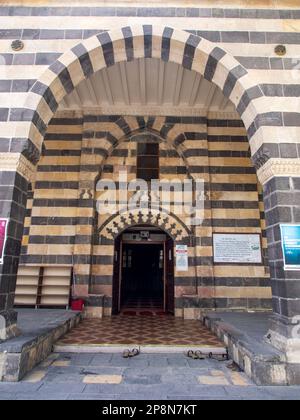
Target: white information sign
237,248
182,259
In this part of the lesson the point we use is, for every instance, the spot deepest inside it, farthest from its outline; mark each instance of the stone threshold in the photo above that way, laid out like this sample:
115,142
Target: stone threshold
147,349
261,362
21,354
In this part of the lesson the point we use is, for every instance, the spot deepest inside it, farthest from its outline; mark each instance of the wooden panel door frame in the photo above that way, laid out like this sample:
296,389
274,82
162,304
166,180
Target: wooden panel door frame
117,276
168,275
169,298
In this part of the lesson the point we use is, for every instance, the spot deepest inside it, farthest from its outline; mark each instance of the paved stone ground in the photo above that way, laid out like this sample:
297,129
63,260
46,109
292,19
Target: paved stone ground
147,376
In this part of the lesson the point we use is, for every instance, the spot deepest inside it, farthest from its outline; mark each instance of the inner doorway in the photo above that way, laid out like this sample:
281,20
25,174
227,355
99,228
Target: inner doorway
143,277
143,272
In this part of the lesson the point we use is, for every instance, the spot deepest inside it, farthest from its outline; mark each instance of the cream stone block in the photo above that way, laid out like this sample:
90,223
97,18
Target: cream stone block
158,123
56,176
176,52
257,50
14,99
38,45
63,145
230,161
285,76
76,72
274,135
27,221
93,313
103,270
61,160
10,129
178,313
234,178
234,196
82,249
239,271
53,212
56,194
138,47
197,160
102,379
132,122
204,251
195,144
82,269
170,177
200,57
46,249
241,86
13,71
52,230
119,46
243,292
192,313
65,129
288,104
25,239
57,89
203,231
204,271
235,214
212,380
33,134
106,312
96,56
234,146
157,42
111,22
226,64
103,250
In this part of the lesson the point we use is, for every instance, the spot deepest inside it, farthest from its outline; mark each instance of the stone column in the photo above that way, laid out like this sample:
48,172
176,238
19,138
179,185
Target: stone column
16,172
282,205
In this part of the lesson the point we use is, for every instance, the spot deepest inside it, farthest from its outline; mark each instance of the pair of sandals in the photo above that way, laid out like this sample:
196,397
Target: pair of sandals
196,355
130,353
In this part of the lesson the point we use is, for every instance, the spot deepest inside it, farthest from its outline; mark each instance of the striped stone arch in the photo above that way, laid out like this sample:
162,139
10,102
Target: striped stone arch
126,44
114,142
160,218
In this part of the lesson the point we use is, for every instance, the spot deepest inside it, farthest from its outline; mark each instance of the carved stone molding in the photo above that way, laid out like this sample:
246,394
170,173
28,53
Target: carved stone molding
278,167
16,162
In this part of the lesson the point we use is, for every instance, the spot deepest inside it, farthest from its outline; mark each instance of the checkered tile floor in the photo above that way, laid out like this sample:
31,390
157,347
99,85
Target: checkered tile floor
142,330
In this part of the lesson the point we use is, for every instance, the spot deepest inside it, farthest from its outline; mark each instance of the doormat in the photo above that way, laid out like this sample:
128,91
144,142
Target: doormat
134,312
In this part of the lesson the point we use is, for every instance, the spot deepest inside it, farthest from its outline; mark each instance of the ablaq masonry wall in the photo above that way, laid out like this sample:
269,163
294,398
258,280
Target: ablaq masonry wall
62,226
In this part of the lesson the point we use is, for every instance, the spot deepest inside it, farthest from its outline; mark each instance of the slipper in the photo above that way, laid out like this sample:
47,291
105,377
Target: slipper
126,354
192,354
134,352
200,355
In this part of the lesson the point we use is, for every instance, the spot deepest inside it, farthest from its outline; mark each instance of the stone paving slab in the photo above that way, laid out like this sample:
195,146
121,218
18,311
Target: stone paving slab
245,338
39,330
174,378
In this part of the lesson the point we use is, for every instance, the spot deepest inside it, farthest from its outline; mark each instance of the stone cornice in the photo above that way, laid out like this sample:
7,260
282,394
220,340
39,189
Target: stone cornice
278,167
15,162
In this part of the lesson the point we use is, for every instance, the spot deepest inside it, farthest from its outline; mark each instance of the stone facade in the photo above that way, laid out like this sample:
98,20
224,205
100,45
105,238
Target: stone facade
232,47
216,150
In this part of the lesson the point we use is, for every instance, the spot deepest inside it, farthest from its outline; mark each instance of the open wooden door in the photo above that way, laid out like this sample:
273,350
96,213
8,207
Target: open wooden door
170,284
116,286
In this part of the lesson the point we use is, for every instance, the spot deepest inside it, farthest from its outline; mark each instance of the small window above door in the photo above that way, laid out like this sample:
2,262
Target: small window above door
147,161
